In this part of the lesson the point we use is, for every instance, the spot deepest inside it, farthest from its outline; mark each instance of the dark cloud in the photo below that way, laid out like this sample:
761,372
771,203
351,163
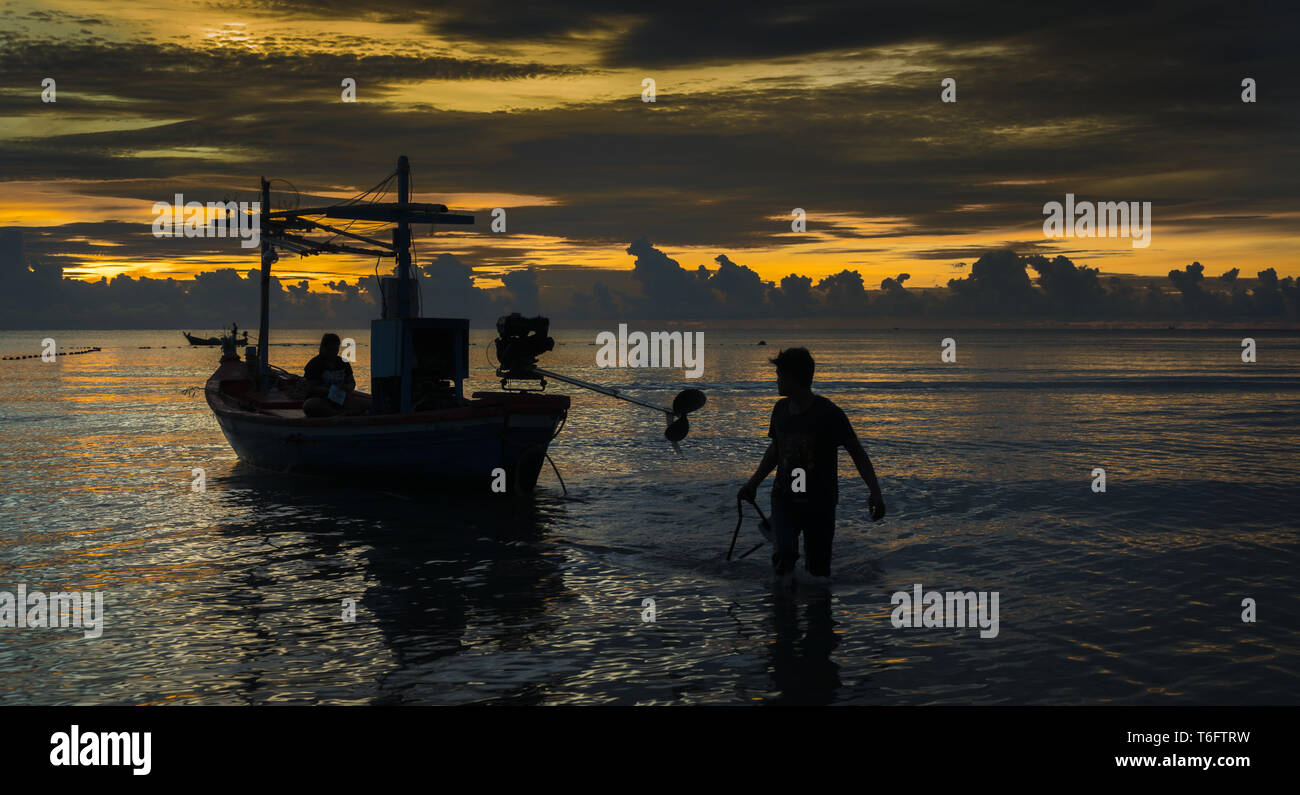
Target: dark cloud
667,33
866,151
669,287
997,283
1142,96
843,293
1069,290
738,289
165,78
524,296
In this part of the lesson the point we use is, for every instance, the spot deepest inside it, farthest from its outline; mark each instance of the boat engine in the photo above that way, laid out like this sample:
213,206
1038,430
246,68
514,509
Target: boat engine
520,340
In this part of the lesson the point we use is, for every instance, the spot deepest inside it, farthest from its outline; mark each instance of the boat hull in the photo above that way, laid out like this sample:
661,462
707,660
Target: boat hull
443,449
211,342
495,432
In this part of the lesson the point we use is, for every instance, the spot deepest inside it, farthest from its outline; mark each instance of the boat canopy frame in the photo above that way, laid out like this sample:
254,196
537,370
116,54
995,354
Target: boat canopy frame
278,230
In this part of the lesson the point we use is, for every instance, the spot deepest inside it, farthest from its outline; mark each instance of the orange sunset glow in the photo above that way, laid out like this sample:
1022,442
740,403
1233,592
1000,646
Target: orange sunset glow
556,129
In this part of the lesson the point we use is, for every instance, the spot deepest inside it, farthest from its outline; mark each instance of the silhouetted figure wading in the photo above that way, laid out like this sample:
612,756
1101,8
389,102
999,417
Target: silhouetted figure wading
807,431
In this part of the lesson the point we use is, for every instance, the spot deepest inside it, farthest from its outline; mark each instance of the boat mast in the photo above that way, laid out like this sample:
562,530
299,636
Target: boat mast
268,256
402,238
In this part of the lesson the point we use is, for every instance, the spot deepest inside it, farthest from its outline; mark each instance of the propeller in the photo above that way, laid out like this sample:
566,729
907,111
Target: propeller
684,403
687,400
677,429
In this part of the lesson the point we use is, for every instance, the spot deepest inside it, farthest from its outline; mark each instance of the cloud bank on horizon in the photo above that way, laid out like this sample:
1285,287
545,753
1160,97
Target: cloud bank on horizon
998,289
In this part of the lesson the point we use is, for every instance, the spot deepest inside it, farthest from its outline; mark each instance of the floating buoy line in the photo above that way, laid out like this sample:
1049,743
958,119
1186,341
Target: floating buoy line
73,352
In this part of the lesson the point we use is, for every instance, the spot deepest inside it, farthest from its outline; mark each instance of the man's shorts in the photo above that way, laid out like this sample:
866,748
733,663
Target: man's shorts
816,521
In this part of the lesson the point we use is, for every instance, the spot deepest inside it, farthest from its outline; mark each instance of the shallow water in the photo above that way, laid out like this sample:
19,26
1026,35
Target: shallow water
234,595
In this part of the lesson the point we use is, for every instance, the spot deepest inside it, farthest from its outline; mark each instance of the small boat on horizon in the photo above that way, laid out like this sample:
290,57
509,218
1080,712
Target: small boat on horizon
218,340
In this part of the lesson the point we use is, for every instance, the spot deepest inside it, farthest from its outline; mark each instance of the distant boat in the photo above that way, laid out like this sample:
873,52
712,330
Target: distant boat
213,341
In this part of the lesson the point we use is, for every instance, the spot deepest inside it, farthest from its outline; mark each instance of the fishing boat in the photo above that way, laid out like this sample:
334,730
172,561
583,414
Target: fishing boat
490,432
215,341
415,422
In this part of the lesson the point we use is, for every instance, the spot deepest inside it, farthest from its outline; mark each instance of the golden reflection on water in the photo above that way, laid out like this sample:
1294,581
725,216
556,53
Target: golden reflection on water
233,595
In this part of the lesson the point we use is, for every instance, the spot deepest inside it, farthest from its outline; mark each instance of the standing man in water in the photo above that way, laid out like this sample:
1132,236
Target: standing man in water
807,431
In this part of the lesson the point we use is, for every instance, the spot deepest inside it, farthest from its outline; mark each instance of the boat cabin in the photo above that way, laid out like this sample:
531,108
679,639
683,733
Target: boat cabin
418,363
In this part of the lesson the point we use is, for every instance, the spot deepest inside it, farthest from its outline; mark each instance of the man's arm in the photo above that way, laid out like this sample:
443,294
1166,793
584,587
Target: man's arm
750,490
868,473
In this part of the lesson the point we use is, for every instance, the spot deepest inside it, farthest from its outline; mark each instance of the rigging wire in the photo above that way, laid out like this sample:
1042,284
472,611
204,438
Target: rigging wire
384,184
410,241
379,286
381,184
415,277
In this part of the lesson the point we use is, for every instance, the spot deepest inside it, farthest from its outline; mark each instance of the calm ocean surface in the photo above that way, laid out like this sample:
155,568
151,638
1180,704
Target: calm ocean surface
233,596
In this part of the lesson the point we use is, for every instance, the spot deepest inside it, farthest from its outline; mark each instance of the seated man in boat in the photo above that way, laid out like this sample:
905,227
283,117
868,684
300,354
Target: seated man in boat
327,383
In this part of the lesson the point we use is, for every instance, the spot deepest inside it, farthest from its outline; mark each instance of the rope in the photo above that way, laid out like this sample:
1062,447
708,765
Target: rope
564,418
556,470
740,519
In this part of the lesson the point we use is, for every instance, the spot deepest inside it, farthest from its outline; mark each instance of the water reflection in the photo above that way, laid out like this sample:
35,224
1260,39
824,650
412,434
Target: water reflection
436,574
802,669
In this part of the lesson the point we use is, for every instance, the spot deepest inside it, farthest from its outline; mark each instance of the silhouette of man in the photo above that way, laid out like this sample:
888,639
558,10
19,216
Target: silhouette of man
327,380
807,431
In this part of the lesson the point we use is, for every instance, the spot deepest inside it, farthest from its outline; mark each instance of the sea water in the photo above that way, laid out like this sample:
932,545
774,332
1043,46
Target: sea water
224,585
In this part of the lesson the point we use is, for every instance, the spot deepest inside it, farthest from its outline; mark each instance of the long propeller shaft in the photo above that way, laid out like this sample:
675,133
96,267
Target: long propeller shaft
604,390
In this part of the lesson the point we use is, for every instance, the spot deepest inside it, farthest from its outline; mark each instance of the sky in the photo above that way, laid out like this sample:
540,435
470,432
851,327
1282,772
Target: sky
760,108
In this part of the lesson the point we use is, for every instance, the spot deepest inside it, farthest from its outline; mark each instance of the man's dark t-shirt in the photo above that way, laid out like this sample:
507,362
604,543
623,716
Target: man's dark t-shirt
329,370
810,441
